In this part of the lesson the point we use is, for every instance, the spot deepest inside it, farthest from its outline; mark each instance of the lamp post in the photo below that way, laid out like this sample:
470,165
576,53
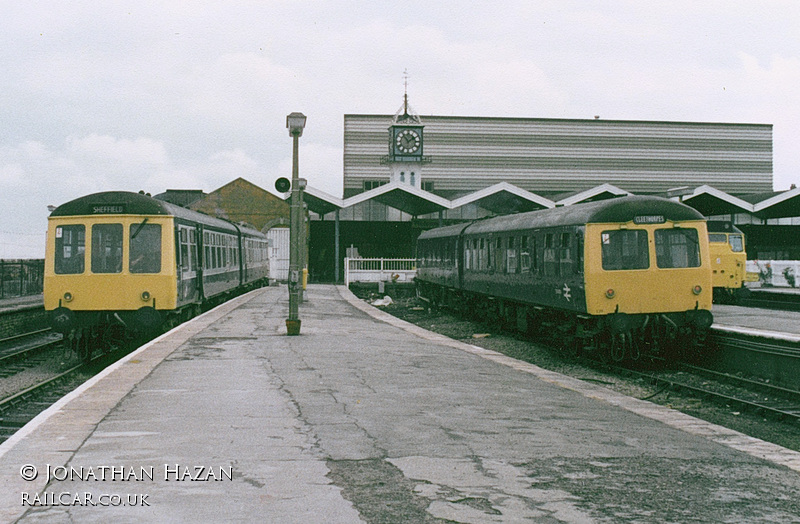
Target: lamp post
295,122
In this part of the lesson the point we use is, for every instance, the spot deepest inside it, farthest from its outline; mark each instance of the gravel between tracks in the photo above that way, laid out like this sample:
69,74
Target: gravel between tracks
785,434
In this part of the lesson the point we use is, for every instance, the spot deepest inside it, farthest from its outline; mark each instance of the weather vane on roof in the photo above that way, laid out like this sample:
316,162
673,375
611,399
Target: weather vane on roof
405,91
406,113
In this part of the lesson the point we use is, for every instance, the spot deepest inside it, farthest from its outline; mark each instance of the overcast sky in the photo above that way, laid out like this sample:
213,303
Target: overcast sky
99,96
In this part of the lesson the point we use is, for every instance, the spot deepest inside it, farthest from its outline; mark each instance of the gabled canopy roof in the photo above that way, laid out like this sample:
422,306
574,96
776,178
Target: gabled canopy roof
404,197
504,198
710,201
786,204
321,202
601,192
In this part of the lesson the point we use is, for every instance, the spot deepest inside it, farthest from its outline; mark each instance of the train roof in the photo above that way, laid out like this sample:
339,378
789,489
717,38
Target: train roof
615,210
128,203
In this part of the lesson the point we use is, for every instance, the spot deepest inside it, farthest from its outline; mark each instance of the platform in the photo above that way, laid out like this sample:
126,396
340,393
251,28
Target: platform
759,322
366,418
10,304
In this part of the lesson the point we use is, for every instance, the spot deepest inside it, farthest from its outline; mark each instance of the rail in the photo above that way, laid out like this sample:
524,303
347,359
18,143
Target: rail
379,270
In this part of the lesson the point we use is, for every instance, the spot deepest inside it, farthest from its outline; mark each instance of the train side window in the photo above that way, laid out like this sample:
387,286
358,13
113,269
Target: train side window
624,250
184,253
193,248
534,255
511,256
70,249
677,248
107,248
737,243
579,253
565,255
524,256
145,248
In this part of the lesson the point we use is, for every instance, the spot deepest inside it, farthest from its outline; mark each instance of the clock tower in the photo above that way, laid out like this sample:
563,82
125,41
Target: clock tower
406,144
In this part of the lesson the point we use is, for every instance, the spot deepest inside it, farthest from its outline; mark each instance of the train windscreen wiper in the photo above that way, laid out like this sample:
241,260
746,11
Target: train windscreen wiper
139,229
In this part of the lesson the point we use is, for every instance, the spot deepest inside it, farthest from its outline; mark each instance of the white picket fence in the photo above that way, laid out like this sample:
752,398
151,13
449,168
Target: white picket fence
379,270
774,272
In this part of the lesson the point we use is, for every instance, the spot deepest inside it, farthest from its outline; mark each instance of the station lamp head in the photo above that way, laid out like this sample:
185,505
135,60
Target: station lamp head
295,122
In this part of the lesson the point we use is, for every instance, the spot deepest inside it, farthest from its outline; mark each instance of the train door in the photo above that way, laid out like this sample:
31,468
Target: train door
200,260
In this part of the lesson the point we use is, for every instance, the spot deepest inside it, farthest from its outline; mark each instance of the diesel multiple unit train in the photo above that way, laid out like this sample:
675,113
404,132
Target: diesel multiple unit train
625,277
120,262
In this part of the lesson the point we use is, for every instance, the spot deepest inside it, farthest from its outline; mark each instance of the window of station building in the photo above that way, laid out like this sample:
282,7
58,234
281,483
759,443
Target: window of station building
145,248
427,186
107,248
624,250
677,248
70,249
500,257
372,184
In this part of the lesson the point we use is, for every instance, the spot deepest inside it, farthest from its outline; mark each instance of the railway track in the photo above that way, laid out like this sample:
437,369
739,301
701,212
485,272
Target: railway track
726,389
20,408
26,350
34,375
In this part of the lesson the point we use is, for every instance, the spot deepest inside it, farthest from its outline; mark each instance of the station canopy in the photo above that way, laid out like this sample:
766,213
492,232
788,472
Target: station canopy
505,198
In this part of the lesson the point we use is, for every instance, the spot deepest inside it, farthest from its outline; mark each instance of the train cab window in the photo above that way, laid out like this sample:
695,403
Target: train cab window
736,242
677,248
717,238
70,249
107,248
624,250
145,248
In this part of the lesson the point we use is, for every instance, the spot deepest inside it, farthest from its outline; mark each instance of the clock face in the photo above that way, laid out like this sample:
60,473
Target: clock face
407,141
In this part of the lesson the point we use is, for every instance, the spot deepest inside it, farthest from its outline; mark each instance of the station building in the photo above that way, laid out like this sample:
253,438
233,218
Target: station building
405,173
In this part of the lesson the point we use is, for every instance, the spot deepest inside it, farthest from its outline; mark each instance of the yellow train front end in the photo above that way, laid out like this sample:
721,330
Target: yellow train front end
649,271
728,261
109,267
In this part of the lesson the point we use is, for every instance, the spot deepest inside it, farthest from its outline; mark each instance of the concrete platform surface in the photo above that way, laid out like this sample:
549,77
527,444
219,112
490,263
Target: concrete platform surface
365,418
767,323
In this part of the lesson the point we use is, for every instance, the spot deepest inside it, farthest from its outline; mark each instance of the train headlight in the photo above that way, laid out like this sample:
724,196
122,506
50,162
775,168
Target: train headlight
68,297
697,290
145,296
610,293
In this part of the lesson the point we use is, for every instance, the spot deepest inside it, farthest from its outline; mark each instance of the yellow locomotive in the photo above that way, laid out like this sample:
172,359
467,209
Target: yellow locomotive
625,276
120,262
728,261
